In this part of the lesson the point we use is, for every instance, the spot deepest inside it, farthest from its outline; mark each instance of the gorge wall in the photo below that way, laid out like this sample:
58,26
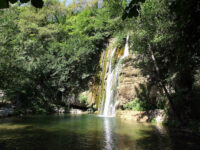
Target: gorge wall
129,81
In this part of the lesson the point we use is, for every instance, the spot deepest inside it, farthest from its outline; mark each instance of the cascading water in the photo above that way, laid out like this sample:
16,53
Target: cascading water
126,50
109,98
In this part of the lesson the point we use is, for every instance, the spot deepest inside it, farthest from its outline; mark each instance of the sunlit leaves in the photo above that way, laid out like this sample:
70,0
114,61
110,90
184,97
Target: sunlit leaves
52,53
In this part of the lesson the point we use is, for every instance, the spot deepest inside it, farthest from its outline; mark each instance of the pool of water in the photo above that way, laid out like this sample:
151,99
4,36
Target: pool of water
88,132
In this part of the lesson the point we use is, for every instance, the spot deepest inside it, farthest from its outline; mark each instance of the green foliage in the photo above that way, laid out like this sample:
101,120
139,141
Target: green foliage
153,120
83,99
140,104
47,55
135,105
161,26
35,3
116,7
173,123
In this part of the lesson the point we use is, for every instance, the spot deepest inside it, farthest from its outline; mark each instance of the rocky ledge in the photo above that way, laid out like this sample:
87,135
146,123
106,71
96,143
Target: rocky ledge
157,115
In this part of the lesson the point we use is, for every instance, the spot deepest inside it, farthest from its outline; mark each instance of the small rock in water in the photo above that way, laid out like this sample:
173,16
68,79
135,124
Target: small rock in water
59,110
76,111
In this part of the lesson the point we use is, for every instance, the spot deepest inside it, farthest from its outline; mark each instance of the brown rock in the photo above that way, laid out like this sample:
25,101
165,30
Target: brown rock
130,79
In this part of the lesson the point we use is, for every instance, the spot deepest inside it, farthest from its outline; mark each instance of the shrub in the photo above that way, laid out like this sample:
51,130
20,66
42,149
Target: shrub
135,104
83,99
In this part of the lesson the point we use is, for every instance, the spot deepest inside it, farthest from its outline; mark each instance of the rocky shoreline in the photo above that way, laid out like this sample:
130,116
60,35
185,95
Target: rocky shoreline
6,112
157,115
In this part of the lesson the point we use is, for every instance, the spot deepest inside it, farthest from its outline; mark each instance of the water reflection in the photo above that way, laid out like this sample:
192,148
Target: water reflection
161,129
89,132
110,135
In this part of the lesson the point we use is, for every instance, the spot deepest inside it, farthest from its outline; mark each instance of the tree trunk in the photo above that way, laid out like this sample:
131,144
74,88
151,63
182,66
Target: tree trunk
162,83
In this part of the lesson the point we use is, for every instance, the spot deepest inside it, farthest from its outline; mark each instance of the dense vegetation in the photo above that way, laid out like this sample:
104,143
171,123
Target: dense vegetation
49,55
165,35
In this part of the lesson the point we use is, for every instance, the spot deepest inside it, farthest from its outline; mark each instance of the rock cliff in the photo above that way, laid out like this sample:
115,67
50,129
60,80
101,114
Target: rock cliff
129,81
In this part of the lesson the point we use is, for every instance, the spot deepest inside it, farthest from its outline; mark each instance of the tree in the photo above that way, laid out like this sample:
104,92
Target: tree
35,3
168,46
53,53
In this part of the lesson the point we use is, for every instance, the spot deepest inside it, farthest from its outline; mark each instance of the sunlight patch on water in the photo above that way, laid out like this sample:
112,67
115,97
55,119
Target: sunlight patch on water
10,126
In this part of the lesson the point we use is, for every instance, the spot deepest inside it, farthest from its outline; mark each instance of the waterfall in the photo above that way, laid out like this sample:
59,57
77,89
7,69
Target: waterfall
126,50
109,101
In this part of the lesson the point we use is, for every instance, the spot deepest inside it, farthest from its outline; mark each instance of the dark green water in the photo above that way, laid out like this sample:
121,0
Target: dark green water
88,132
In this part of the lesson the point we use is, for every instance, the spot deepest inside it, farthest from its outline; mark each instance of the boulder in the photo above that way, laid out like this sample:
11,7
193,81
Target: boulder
77,111
59,110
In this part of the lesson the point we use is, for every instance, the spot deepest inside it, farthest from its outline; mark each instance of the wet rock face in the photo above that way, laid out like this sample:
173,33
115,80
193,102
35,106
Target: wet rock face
129,81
